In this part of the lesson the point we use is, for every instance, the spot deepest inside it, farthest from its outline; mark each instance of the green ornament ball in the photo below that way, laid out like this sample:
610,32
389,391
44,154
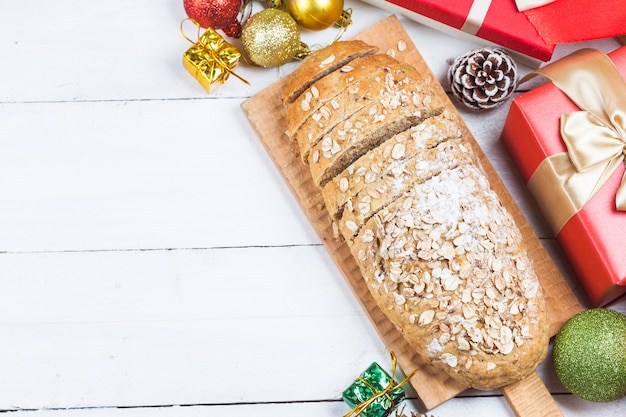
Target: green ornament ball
589,355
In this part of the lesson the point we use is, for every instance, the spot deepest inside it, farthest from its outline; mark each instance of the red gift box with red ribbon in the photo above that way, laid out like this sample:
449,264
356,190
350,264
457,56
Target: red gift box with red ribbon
537,133
496,22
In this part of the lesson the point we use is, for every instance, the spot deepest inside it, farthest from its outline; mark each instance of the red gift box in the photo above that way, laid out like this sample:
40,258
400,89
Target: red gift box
594,238
495,21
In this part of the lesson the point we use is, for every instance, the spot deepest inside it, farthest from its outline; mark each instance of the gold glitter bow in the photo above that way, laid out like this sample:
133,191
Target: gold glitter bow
595,136
361,407
211,59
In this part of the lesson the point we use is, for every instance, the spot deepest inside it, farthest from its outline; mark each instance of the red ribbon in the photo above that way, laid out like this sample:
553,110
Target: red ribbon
565,21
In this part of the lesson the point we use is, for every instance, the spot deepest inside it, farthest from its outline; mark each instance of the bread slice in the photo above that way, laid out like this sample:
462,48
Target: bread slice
331,85
322,62
448,266
406,101
343,106
378,161
399,179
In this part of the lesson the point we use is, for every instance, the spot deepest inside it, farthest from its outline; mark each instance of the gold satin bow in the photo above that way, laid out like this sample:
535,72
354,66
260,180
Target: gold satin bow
595,137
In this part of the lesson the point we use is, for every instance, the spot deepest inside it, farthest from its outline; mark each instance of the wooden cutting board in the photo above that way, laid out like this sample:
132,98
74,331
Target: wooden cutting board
266,114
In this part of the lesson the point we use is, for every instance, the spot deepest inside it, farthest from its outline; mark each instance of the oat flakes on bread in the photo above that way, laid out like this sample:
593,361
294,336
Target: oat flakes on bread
380,160
323,62
399,179
405,101
448,266
440,254
328,87
349,102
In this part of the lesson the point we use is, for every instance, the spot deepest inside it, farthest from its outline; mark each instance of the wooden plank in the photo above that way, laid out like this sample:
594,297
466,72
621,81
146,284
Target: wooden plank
133,328
110,175
103,331
466,406
155,327
265,112
530,397
97,53
86,53
147,181
491,406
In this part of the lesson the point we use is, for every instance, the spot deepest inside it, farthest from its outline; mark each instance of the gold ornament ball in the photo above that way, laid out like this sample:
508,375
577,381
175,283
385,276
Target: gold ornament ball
270,38
315,14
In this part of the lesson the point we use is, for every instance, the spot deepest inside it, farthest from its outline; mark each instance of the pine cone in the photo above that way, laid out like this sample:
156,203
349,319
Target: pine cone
483,78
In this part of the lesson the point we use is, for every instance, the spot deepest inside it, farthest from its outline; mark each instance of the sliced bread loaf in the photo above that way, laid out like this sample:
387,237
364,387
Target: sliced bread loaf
321,63
379,161
448,266
405,101
328,87
398,180
347,103
439,253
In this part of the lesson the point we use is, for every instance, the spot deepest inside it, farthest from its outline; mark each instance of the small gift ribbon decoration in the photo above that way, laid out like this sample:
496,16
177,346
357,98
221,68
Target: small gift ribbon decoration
595,137
211,59
391,394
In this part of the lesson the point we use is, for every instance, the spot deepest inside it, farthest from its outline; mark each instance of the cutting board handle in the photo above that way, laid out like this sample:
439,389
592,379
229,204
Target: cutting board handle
530,397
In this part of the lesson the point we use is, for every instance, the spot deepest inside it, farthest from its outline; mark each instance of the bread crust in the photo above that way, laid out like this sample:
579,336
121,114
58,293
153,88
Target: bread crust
342,107
323,62
440,254
329,87
448,267
398,180
405,100
380,160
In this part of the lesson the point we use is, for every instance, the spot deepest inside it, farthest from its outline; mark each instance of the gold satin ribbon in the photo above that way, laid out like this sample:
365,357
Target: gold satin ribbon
476,16
478,12
595,137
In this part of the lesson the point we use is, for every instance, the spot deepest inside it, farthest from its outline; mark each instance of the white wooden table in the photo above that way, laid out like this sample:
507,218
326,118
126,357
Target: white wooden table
152,261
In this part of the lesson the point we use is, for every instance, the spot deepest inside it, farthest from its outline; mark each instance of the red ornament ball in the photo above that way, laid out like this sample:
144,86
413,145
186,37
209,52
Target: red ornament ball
216,14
